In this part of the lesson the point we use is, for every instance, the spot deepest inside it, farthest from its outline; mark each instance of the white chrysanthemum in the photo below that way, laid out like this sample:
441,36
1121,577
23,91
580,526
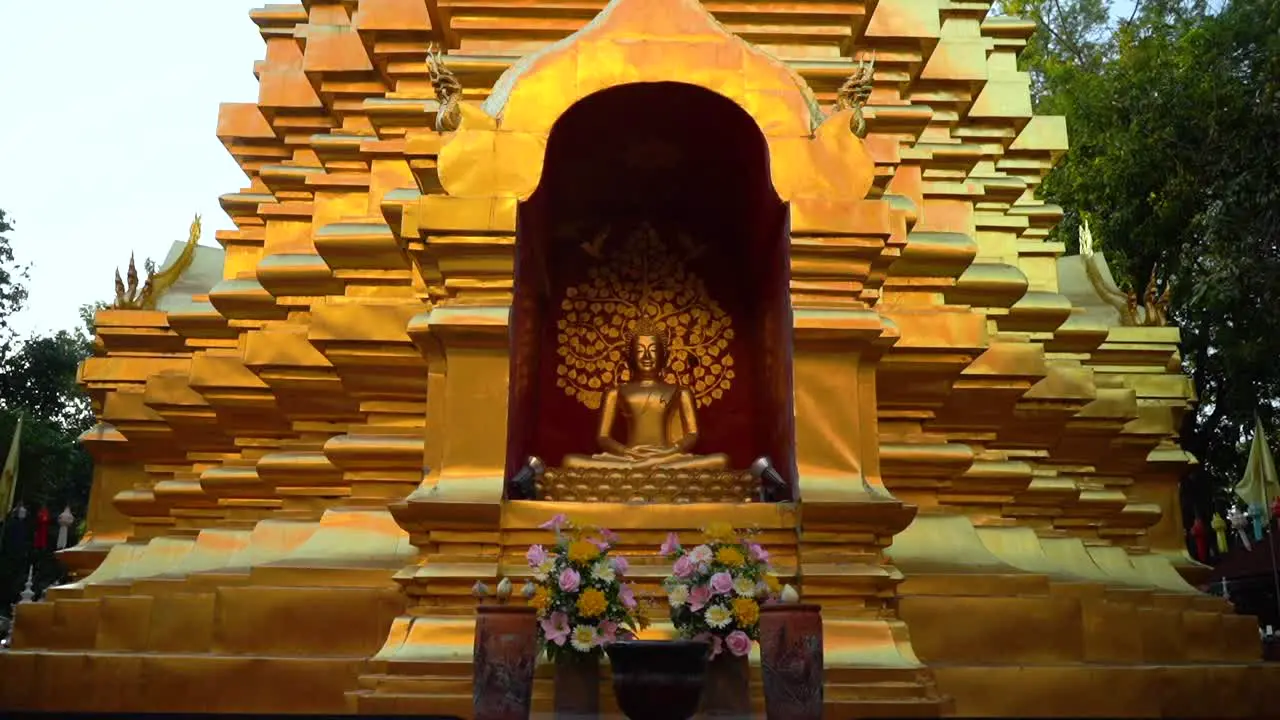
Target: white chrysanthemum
603,571
678,596
583,638
744,586
718,616
701,555
543,571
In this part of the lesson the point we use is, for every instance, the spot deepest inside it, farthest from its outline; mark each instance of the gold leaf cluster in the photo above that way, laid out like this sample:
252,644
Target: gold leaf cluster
642,278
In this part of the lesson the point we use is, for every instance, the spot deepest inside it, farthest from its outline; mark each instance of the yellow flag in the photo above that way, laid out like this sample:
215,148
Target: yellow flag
1260,486
9,478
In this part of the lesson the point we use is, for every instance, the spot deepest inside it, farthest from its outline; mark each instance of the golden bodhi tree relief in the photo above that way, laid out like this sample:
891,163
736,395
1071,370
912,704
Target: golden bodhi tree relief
642,277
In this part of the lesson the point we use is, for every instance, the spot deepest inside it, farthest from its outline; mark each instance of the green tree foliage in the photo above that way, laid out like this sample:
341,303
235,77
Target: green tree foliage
1173,115
1074,41
38,383
13,293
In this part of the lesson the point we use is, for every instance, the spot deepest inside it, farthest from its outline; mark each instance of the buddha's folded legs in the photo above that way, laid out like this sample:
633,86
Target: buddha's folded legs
609,461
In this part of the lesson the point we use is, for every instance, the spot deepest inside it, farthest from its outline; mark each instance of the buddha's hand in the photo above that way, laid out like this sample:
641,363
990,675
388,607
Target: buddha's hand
643,452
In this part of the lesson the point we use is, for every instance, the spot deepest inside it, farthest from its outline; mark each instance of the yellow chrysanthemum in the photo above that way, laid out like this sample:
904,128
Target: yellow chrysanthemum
772,582
541,599
582,552
720,532
745,611
592,603
730,556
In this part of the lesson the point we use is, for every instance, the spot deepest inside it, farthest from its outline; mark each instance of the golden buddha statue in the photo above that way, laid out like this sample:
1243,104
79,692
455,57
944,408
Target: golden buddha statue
662,425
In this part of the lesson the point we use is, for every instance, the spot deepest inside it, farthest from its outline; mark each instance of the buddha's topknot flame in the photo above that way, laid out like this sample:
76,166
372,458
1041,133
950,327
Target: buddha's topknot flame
648,327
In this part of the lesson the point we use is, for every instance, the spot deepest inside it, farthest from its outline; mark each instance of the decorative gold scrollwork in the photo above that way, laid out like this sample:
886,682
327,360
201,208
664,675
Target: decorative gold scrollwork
643,278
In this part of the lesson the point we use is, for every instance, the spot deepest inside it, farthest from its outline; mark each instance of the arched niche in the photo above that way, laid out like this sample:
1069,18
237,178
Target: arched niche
643,211
501,155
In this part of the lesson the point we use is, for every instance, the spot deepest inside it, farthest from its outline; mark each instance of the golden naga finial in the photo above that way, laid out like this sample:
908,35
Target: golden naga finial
1086,239
130,297
448,91
855,92
1155,304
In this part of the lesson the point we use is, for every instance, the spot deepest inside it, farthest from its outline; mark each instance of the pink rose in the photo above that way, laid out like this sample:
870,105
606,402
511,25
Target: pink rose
608,632
699,596
721,583
671,545
714,640
738,643
569,580
556,628
621,565
683,568
609,536
627,597
556,522
600,544
536,555
758,553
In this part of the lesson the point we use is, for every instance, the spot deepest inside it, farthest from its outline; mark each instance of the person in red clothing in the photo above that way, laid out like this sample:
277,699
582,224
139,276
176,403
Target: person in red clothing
42,529
1201,536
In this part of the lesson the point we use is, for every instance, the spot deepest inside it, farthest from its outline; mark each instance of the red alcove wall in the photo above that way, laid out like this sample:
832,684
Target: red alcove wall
682,160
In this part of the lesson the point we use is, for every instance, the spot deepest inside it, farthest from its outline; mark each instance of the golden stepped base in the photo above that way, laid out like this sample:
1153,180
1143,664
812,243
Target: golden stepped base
1120,691
647,486
102,682
869,692
1063,629
113,682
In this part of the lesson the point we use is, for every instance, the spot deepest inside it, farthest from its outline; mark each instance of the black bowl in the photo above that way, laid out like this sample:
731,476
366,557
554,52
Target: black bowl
658,679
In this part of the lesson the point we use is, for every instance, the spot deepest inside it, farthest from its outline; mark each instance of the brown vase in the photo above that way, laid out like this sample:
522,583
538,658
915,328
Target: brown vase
506,651
791,661
577,685
727,692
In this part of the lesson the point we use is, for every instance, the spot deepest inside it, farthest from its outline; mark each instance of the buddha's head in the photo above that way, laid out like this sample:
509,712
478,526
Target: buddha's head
648,349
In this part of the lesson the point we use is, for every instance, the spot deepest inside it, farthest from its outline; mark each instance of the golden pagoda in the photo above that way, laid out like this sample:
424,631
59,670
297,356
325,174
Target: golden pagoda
468,224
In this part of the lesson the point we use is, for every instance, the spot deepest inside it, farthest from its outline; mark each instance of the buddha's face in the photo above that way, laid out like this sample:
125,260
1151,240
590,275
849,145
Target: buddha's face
647,355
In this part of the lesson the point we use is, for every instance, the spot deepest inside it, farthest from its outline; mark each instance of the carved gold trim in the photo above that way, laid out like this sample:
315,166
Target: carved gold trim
643,278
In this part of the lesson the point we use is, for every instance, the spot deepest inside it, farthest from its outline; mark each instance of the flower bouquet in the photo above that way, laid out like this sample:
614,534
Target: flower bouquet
582,605
715,591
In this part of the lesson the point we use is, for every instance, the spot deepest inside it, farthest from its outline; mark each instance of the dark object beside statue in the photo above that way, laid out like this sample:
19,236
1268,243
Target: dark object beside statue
506,650
658,679
791,661
576,685
726,695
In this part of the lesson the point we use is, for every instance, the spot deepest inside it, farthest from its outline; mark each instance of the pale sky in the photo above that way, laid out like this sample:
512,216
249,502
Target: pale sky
107,118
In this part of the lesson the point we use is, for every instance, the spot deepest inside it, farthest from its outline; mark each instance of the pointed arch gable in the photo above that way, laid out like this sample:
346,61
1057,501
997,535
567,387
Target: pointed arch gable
499,151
